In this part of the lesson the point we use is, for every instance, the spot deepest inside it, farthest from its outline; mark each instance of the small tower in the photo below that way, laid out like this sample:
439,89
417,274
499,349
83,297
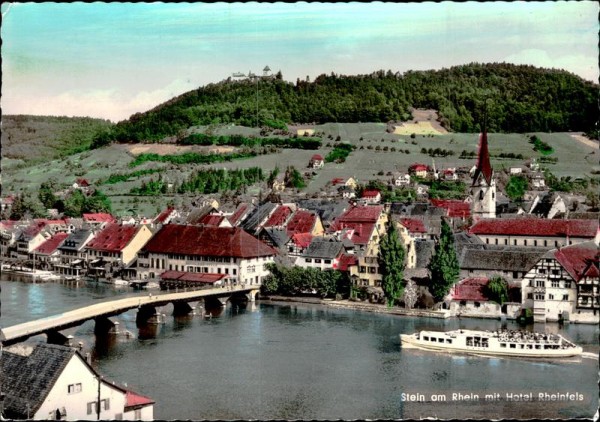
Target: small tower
483,188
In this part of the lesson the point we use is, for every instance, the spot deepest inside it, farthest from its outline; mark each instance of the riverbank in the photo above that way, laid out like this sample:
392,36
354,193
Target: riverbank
362,306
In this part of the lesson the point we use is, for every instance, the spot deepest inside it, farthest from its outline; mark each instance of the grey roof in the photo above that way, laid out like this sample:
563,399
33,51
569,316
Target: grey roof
258,215
505,259
198,214
326,209
424,250
279,236
27,380
323,248
76,240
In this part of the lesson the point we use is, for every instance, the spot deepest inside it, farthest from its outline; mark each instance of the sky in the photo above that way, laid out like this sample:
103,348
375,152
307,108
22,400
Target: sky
111,60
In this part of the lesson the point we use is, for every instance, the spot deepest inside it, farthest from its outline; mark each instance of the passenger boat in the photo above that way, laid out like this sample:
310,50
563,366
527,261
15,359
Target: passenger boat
498,343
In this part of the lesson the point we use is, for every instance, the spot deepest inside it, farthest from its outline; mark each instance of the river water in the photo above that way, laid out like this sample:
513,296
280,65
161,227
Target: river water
303,361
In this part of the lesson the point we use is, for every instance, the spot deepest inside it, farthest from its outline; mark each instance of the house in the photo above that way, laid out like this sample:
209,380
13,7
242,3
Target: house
347,192
350,182
196,215
364,225
509,262
238,215
206,249
275,237
316,162
419,170
564,285
305,221
538,181
47,381
535,232
47,254
279,217
215,220
454,208
253,223
166,216
29,239
422,190
516,170
449,174
548,205
278,184
371,196
322,253
401,179
98,220
326,209
81,183
468,297
297,243
73,254
118,244
6,203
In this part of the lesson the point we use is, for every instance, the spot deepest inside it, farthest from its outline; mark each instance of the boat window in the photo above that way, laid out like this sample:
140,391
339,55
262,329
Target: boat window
469,341
530,346
537,346
513,346
484,342
503,345
522,346
449,341
546,346
425,338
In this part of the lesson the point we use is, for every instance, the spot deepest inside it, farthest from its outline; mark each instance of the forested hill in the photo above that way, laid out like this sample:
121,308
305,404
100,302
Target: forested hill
518,98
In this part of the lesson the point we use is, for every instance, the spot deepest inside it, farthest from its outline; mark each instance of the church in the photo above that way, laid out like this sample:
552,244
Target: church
483,188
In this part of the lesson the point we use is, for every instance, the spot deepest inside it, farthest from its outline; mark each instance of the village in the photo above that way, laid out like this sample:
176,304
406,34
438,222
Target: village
545,251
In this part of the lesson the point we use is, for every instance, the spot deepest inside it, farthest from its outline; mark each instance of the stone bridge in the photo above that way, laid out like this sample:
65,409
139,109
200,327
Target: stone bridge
102,312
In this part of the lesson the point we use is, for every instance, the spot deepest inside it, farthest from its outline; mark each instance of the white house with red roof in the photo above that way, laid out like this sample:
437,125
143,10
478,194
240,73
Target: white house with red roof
206,249
72,388
118,243
535,232
298,243
98,220
468,297
371,196
316,161
165,217
48,251
564,284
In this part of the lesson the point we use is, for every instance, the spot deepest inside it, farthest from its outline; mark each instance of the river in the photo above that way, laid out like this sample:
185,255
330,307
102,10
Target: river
304,361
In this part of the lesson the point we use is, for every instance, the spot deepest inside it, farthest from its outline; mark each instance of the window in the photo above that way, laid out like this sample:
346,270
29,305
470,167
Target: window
119,416
91,407
539,283
515,274
74,388
550,296
317,260
426,338
503,345
477,304
565,297
234,271
513,346
525,242
567,284
105,404
539,296
328,261
308,259
529,295
555,272
542,270
555,283
137,414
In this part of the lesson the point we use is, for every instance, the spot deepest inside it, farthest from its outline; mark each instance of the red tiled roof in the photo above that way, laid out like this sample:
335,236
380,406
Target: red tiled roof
279,216
239,213
577,258
346,261
83,182
212,220
470,289
317,157
455,207
418,167
361,231
192,277
361,214
370,193
113,238
8,224
301,222
136,400
413,225
207,241
483,160
337,181
50,245
162,217
99,217
302,240
535,227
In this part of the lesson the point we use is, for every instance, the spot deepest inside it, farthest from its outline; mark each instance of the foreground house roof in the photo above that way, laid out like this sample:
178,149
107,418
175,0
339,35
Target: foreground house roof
207,241
535,227
579,260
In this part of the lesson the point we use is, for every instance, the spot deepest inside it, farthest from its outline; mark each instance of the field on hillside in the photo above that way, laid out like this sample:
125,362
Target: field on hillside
373,154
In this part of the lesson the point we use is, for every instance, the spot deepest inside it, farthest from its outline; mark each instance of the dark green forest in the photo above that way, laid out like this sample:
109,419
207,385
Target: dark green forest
518,98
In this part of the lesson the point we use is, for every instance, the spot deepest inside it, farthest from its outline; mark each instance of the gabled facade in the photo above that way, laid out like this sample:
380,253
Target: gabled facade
483,188
55,382
322,253
118,244
564,284
316,162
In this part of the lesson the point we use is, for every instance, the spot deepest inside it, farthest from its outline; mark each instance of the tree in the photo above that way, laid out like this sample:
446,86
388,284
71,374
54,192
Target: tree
443,266
391,263
24,206
46,194
497,289
516,187
410,295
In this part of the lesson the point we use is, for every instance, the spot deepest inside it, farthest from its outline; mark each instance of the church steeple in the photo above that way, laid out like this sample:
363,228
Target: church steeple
483,167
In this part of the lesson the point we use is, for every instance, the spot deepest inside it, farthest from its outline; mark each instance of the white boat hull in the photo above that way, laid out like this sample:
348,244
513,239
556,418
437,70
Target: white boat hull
408,341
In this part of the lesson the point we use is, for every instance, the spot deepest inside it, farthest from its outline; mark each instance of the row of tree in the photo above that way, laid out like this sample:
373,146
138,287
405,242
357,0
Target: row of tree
516,98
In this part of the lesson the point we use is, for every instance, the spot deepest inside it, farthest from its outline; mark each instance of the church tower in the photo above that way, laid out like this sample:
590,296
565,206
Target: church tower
483,188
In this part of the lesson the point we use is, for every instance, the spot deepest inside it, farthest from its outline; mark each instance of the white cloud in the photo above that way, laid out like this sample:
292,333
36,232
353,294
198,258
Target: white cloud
108,103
